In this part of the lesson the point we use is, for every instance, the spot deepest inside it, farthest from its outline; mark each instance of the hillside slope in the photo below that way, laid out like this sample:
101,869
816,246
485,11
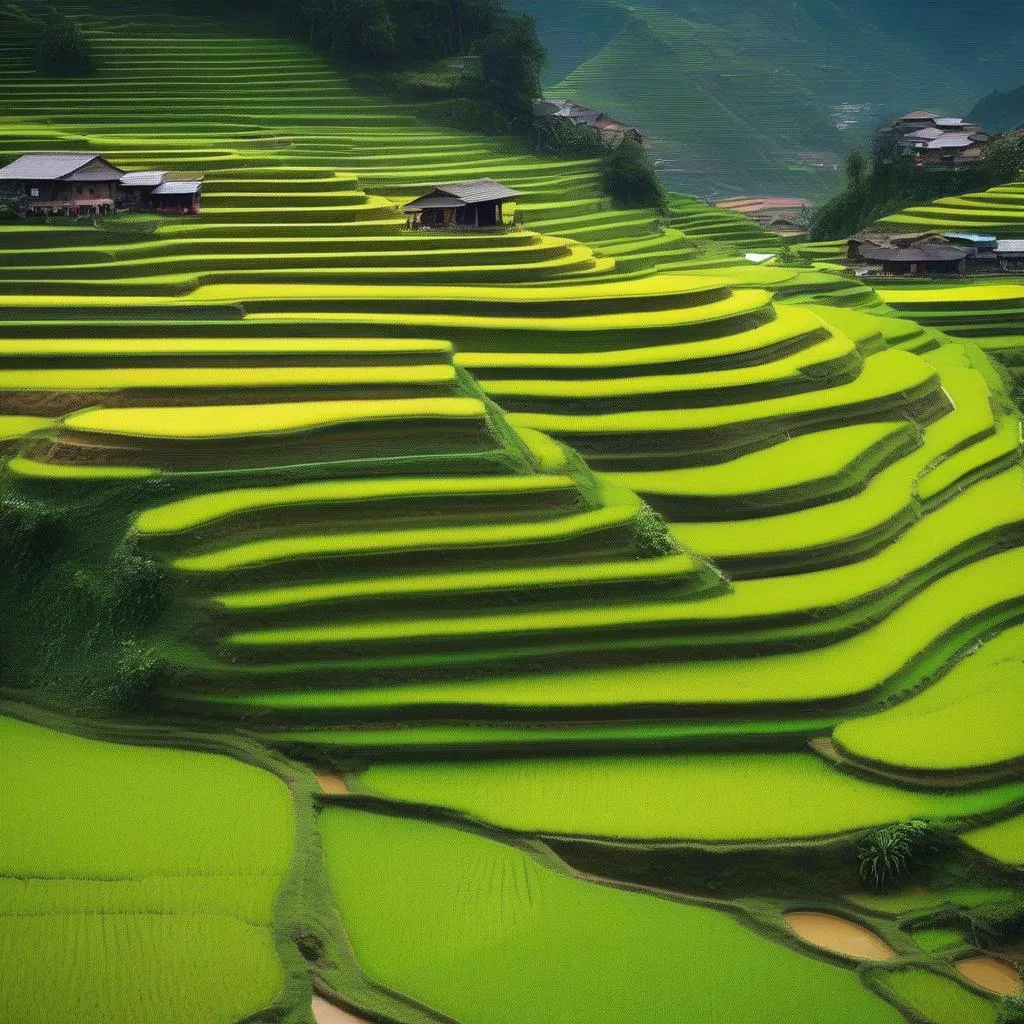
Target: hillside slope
732,93
398,490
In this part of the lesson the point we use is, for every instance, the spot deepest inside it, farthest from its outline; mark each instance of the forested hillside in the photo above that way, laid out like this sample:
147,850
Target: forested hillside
734,92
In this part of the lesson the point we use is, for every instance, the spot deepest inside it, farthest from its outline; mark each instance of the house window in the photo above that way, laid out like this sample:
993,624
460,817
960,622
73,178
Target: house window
78,190
33,193
92,191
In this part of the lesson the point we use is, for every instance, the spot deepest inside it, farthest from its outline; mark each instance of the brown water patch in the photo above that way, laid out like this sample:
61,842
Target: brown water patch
990,974
331,784
327,1013
838,935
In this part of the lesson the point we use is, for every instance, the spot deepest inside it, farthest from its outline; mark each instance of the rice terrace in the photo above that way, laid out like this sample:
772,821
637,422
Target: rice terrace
449,578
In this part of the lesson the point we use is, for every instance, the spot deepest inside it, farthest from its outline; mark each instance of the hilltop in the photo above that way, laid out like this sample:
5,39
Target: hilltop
733,93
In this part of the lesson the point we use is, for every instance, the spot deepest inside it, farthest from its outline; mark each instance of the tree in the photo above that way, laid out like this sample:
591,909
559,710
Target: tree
630,177
511,59
63,48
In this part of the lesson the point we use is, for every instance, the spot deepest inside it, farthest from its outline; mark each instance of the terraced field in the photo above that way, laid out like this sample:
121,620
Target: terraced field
439,510
998,211
98,880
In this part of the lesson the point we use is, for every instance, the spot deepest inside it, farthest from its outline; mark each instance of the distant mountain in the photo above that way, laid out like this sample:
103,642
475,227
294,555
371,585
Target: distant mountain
1000,111
740,95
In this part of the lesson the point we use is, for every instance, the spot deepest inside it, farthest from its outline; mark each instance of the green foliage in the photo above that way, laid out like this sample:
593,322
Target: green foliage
12,201
511,59
1011,1009
893,182
630,177
889,855
63,49
563,137
79,613
59,47
652,536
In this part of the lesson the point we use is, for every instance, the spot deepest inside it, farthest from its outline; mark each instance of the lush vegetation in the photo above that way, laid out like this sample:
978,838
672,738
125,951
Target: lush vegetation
471,927
580,530
739,97
56,43
169,861
876,190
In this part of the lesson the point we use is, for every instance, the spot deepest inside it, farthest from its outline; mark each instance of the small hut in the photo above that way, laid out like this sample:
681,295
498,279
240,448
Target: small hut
461,205
918,260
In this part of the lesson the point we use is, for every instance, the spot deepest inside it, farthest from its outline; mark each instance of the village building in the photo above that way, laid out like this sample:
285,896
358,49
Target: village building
461,205
77,184
182,197
609,128
64,183
925,260
932,140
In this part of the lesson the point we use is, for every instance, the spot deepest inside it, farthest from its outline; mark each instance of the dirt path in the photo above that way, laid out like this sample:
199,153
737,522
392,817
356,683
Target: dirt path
990,974
839,935
331,784
327,1013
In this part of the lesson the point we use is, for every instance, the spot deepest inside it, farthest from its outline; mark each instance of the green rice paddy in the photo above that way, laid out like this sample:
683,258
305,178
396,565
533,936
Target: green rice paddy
578,532
698,797
124,894
472,928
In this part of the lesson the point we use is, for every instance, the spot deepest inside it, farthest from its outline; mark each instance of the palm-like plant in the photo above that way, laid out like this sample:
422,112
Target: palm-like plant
888,855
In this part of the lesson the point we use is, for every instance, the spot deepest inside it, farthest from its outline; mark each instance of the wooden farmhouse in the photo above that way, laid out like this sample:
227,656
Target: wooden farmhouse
154,191
461,205
71,183
76,184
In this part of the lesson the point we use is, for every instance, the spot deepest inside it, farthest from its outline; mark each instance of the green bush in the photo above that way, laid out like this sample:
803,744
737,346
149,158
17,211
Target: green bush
564,138
890,855
630,177
1011,1009
12,201
652,535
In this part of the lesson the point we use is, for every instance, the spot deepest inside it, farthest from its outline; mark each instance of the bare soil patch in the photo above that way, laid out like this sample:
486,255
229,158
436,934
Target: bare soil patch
327,1013
838,935
990,974
331,784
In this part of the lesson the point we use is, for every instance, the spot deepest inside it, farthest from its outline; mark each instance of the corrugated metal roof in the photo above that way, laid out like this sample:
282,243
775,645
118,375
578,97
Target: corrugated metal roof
143,179
435,203
914,254
1011,245
949,140
949,122
178,188
45,166
478,190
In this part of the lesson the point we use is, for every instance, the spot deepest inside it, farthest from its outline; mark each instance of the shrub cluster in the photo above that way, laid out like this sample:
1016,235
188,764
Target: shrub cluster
77,617
627,173
889,855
